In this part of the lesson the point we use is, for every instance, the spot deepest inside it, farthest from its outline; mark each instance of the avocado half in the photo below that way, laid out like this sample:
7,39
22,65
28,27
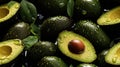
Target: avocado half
110,22
113,55
9,50
8,10
110,18
89,53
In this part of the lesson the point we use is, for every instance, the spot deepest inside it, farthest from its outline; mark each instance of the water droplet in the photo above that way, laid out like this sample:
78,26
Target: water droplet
16,6
61,4
114,59
84,12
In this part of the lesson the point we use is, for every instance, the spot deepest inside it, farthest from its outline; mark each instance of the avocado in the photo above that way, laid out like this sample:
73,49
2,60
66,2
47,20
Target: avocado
86,65
52,26
9,50
87,8
76,47
19,30
52,7
113,57
41,49
110,22
92,32
51,61
8,10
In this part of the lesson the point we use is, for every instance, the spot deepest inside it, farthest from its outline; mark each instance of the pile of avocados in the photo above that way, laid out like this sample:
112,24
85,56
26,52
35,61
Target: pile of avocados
59,33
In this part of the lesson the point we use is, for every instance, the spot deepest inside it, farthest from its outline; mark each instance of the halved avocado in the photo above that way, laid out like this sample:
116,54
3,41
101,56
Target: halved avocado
83,52
8,10
110,22
9,50
111,17
113,55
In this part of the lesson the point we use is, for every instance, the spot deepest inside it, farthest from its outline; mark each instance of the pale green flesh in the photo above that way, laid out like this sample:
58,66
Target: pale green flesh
113,55
111,17
9,50
89,54
8,10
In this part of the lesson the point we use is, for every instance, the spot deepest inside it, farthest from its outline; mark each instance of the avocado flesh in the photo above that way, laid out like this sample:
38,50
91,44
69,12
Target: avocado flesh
113,55
8,10
89,54
9,50
111,17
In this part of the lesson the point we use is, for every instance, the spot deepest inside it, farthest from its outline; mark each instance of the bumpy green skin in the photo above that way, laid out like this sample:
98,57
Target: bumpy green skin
86,65
20,30
87,8
51,61
94,33
52,7
101,58
41,49
52,26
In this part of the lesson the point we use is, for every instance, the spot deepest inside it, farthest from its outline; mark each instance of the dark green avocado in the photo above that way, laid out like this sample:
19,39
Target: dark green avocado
76,47
19,30
52,7
52,26
86,65
41,49
87,8
51,61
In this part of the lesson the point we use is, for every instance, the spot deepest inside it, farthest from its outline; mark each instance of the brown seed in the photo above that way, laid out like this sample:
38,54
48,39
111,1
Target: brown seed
76,46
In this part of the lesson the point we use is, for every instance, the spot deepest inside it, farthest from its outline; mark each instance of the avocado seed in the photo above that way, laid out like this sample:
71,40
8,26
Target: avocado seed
76,46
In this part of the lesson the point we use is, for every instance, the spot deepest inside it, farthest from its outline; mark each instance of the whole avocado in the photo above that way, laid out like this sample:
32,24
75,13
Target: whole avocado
52,7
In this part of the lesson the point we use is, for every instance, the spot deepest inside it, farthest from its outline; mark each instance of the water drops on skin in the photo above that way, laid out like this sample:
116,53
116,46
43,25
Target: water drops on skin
114,60
61,5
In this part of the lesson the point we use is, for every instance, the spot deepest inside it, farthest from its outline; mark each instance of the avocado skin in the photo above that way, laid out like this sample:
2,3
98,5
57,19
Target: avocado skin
86,65
87,8
52,26
19,30
52,7
51,61
39,50
93,32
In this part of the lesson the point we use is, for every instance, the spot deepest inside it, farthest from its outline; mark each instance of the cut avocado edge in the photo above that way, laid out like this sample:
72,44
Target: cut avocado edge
113,55
111,17
8,10
89,54
9,50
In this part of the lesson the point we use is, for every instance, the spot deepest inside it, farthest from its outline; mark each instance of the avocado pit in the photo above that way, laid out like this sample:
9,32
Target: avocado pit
5,51
76,46
3,12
